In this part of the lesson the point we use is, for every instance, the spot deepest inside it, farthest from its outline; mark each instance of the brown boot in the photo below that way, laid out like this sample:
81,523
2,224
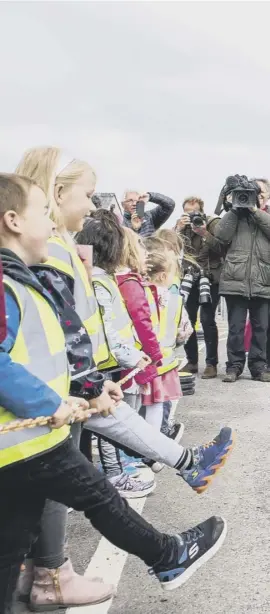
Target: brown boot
62,588
189,368
209,372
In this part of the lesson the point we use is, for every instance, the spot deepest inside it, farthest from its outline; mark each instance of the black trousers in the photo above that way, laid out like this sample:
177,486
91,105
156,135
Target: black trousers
268,341
238,308
208,312
64,475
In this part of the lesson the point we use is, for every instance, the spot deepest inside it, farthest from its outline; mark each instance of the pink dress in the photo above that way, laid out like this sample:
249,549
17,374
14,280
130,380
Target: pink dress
163,388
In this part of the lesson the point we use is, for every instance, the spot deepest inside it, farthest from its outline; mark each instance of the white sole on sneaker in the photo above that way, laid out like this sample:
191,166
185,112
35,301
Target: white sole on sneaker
128,494
180,433
184,577
157,467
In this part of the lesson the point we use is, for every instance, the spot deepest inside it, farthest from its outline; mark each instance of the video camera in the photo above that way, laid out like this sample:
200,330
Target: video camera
197,219
242,193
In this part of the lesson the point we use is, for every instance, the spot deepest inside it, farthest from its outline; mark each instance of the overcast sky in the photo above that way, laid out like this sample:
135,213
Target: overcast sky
160,96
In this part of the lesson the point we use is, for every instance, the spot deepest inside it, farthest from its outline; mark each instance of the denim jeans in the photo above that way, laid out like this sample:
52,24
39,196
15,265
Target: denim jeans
65,475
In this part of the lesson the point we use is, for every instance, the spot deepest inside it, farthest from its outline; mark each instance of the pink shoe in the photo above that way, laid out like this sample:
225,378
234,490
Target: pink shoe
62,588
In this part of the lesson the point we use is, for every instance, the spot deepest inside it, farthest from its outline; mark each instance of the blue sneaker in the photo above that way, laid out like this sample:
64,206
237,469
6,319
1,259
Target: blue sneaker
136,462
208,459
195,547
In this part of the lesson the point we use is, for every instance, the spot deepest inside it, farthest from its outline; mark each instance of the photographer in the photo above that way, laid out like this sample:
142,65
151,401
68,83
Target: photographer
245,279
144,222
197,229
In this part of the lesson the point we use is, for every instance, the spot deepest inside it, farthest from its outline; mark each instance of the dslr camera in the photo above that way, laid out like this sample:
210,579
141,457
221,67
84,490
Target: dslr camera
197,219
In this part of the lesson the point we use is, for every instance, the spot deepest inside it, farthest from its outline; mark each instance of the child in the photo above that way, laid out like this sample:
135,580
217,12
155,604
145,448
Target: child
175,242
162,268
142,304
42,462
104,233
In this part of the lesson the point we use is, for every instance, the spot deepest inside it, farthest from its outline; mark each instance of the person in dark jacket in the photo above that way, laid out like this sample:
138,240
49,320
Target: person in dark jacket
245,283
207,250
153,219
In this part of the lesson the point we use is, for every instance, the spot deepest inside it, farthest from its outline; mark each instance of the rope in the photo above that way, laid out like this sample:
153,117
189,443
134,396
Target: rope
30,423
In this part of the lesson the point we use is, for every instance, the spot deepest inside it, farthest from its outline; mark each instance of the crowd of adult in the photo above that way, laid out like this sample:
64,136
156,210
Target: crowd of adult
233,252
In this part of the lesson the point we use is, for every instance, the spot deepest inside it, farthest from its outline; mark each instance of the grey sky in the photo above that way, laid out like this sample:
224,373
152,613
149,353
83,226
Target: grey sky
161,96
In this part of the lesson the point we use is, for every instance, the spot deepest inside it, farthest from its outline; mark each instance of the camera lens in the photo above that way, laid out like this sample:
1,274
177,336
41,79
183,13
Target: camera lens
243,198
197,221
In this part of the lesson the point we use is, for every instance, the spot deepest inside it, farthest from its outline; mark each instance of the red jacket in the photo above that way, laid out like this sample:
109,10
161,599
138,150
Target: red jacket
3,331
131,287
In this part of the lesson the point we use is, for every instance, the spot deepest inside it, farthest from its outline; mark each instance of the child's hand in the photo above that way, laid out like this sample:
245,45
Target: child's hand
63,415
103,404
113,390
81,409
143,362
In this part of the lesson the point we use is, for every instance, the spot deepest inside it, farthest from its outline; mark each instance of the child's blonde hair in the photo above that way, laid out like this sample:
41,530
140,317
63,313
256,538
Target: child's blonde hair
161,257
41,165
131,255
177,243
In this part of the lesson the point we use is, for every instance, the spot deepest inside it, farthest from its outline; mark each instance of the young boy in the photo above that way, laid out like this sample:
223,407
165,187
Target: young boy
42,462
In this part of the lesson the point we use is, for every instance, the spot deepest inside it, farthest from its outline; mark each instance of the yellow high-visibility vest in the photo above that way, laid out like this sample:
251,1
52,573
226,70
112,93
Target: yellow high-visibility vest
65,259
120,317
169,322
40,348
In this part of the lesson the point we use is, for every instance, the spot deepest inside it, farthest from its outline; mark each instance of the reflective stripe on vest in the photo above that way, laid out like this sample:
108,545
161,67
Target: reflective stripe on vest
153,308
170,317
65,259
121,320
40,347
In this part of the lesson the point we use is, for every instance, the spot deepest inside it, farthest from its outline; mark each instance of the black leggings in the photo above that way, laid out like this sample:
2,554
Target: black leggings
65,475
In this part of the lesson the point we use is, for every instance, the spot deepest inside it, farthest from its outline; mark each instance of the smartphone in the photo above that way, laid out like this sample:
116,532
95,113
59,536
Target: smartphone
140,205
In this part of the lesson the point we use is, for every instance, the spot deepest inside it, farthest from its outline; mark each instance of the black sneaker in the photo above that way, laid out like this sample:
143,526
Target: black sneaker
264,376
176,431
230,377
196,547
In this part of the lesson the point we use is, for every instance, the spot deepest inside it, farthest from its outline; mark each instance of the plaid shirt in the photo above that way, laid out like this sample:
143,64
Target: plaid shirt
156,217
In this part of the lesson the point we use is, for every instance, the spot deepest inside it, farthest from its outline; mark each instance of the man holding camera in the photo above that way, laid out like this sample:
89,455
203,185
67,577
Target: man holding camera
145,223
197,230
245,279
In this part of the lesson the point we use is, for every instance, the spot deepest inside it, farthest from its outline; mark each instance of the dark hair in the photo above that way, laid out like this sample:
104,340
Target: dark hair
103,231
192,200
14,190
96,201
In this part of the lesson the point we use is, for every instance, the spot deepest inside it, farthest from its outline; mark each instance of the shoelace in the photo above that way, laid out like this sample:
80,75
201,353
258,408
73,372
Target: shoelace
192,535
127,483
205,446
